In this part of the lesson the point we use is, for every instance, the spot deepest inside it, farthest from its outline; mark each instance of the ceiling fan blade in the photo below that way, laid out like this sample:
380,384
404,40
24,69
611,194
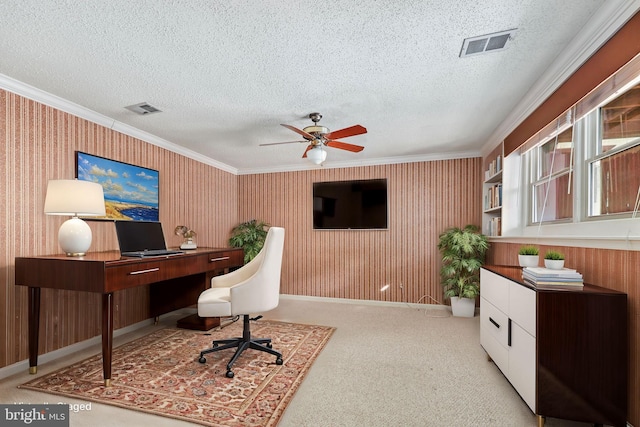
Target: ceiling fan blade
278,143
343,133
309,147
301,132
345,146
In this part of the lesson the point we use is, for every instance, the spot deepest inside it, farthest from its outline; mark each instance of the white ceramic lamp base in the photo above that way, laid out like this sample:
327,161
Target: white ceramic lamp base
74,237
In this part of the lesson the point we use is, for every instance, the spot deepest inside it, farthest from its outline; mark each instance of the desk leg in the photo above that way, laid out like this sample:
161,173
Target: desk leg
34,328
107,336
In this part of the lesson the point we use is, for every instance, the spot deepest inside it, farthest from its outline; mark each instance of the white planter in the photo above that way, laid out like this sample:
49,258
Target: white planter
463,307
528,260
554,264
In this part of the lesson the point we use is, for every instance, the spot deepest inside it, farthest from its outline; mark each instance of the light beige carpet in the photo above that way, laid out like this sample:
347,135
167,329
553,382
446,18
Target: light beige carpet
160,374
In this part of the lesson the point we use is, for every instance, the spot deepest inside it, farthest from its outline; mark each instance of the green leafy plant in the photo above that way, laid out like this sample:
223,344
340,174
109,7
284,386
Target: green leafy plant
528,250
249,236
463,251
554,255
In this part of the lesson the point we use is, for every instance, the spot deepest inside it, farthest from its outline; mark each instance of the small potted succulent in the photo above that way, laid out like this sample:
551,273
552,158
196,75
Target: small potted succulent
554,260
528,256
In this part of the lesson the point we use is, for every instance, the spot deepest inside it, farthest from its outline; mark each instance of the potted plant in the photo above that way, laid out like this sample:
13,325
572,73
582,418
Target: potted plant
249,236
528,256
188,235
554,260
463,251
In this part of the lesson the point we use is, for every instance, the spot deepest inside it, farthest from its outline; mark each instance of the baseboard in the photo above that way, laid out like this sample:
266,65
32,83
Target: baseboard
364,302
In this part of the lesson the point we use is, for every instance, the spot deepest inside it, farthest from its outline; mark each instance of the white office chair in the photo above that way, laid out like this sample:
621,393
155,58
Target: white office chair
253,288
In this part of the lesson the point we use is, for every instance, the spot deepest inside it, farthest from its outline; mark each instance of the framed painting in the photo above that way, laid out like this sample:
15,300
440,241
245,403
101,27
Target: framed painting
130,192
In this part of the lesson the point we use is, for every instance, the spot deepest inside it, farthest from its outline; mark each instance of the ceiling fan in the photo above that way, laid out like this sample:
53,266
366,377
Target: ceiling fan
317,137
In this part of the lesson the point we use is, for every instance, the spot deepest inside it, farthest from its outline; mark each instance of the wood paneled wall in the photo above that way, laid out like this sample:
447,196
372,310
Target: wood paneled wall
612,269
424,199
37,143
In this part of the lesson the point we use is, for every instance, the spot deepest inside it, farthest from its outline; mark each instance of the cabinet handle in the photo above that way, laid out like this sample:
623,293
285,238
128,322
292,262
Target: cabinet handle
222,258
150,270
494,323
509,333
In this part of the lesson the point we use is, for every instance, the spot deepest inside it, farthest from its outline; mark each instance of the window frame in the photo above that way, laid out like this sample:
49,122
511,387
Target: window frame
583,227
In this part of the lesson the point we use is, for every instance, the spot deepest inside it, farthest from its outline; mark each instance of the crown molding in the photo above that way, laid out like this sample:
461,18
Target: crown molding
38,95
611,16
61,104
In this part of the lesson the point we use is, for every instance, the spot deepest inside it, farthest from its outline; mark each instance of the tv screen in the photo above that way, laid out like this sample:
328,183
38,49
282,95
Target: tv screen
345,205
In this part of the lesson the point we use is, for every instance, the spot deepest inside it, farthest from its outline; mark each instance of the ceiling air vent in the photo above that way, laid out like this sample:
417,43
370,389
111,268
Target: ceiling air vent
143,108
487,43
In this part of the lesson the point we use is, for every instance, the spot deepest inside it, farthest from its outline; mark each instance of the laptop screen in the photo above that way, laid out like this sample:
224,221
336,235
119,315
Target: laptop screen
139,236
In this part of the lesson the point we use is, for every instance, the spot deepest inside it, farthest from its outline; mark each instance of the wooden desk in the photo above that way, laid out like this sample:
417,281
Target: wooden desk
175,282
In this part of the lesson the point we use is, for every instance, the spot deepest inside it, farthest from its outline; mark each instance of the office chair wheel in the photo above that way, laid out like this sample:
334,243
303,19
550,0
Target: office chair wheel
229,374
279,361
202,359
269,345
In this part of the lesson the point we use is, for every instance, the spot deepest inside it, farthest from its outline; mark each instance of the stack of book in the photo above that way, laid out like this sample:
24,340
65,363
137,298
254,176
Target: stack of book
541,277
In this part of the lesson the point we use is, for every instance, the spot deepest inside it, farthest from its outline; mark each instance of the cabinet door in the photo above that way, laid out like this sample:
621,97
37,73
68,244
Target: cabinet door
522,364
495,289
522,307
493,334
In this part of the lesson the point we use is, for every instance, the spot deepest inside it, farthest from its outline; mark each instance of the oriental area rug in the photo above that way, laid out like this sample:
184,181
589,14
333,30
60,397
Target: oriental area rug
160,374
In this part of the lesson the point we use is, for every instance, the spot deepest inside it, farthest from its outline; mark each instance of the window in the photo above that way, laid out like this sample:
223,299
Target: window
614,170
551,181
579,176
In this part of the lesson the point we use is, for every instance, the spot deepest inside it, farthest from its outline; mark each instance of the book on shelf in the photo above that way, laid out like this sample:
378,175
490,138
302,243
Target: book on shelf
495,166
493,197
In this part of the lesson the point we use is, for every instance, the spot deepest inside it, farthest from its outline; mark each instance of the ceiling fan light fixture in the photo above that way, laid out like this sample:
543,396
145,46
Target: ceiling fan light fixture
317,155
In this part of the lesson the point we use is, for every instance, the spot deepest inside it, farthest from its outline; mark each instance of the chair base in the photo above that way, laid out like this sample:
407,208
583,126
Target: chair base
242,343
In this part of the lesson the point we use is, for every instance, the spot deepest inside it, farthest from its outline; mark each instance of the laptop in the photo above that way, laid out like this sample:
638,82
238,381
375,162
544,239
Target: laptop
142,239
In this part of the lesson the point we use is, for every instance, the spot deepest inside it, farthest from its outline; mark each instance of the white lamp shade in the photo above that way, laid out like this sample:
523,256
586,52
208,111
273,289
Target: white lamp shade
317,155
74,197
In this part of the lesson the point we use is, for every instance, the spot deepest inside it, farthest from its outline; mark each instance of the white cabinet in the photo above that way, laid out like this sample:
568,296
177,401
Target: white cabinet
508,331
564,351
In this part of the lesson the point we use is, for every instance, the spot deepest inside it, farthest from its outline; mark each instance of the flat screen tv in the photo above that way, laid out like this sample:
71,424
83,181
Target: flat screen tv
350,205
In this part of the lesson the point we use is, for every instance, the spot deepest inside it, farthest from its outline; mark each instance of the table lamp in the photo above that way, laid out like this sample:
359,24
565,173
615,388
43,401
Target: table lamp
74,197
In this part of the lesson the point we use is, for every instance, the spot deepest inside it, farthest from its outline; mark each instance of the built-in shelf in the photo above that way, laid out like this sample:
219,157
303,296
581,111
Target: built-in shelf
492,193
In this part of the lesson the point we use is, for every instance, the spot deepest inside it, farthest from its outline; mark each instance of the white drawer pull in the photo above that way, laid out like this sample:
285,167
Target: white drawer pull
222,258
150,270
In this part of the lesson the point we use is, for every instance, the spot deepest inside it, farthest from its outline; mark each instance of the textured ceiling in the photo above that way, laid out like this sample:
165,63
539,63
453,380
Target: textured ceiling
226,74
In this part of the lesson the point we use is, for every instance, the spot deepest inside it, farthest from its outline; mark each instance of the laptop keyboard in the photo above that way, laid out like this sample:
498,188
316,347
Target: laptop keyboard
152,253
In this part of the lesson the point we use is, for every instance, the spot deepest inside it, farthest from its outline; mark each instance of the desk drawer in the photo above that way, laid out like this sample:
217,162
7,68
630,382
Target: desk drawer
143,273
225,259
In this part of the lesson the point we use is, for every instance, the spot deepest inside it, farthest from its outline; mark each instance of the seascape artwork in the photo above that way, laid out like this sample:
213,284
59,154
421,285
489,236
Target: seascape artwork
130,192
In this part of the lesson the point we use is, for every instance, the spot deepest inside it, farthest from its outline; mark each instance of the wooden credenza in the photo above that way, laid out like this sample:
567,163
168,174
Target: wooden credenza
174,282
564,351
